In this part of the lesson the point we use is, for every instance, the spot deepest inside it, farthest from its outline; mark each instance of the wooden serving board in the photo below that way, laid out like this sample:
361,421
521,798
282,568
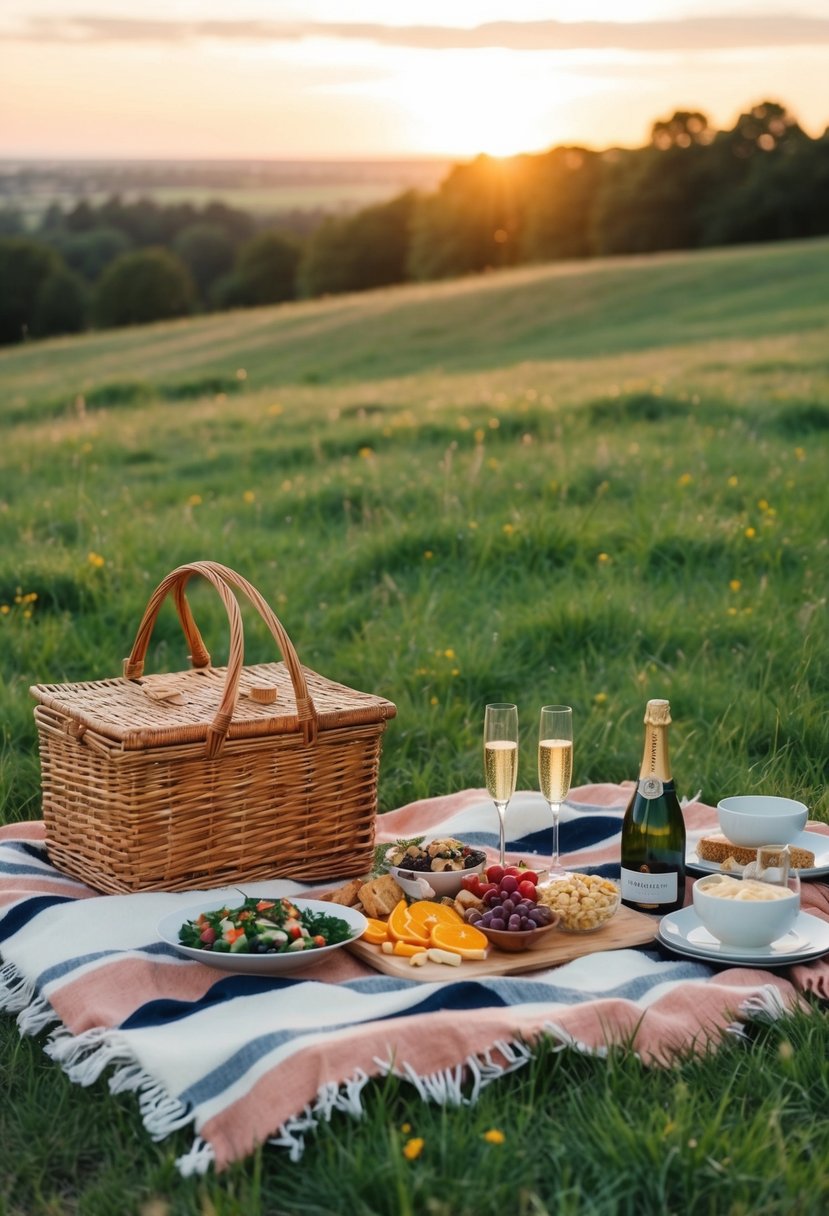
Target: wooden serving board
627,928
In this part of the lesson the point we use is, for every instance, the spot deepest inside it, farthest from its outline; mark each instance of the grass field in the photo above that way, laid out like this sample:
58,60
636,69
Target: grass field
586,483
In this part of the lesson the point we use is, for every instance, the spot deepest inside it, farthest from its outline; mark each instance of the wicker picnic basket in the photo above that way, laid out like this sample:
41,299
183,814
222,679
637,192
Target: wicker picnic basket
211,776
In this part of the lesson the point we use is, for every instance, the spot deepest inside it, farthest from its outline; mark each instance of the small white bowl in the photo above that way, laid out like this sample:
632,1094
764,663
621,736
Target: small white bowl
744,923
418,883
755,819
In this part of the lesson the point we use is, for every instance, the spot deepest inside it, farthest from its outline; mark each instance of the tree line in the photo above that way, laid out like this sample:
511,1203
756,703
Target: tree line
690,186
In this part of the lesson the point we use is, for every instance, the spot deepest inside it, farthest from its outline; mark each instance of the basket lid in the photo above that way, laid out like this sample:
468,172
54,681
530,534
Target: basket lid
179,707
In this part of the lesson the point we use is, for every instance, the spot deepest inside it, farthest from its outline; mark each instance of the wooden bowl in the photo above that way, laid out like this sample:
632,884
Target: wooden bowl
514,940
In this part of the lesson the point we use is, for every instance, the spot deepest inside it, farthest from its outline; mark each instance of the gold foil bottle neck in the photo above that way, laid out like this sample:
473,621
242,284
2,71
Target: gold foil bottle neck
658,713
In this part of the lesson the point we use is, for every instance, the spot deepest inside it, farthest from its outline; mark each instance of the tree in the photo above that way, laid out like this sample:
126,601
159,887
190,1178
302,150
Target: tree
62,304
208,253
266,269
369,249
25,265
472,223
561,193
89,253
148,285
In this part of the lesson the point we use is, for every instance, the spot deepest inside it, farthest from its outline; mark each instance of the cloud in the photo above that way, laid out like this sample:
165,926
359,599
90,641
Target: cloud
690,34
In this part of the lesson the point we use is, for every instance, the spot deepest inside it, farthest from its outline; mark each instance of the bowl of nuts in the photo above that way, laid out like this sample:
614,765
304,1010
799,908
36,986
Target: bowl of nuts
438,866
582,902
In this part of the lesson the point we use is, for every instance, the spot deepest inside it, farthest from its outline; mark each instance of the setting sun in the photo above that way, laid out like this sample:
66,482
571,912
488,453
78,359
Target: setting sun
482,102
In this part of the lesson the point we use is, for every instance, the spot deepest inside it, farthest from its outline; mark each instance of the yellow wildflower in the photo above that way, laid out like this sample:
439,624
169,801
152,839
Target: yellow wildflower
479,434
449,653
241,374
508,529
493,424
4,609
428,555
603,558
413,1148
763,504
731,611
492,464
433,701
800,453
494,1136
249,496
195,500
406,1128
95,560
684,480
733,481
735,584
366,453
751,533
600,698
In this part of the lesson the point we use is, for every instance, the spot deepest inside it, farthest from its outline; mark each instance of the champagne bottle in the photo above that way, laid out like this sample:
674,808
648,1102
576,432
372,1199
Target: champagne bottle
653,830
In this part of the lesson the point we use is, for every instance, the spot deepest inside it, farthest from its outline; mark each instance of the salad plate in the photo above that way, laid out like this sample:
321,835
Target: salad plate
259,964
684,933
815,842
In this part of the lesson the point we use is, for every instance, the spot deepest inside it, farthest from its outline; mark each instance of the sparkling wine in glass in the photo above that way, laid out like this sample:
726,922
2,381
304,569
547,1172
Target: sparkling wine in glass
555,766
501,760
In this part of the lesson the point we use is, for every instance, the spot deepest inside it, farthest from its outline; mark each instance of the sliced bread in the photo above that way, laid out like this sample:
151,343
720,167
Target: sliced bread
717,848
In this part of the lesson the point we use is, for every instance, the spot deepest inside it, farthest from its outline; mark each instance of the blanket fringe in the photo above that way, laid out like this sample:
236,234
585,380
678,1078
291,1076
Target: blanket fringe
198,1160
16,994
764,1005
445,1088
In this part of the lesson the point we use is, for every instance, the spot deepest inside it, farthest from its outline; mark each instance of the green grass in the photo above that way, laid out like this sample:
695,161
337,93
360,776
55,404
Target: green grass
585,483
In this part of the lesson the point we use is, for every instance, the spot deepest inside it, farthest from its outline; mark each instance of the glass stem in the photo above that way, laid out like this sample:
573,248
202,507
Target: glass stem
501,808
555,862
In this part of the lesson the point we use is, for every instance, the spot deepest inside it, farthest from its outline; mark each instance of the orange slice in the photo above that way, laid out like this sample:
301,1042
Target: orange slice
403,929
376,931
407,949
425,915
462,939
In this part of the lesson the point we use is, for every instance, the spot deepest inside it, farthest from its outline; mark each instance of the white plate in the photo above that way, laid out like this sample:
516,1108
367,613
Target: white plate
815,842
683,932
259,964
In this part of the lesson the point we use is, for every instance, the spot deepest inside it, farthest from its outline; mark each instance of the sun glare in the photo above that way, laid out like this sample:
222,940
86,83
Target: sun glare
488,103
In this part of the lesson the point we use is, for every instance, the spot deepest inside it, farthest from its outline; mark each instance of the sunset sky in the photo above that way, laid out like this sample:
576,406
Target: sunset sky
382,78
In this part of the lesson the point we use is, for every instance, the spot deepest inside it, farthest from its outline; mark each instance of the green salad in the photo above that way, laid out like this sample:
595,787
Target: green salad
264,926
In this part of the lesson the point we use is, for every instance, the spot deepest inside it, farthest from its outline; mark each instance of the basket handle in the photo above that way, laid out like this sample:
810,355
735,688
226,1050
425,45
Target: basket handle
225,581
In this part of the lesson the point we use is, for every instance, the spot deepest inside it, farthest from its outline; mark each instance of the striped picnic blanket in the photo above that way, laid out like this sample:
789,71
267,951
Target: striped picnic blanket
244,1059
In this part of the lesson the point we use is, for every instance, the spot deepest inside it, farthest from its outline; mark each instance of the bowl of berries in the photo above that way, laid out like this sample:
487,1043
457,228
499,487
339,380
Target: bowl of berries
510,915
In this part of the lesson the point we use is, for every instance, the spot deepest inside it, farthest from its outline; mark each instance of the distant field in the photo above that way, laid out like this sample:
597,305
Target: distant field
263,189
587,483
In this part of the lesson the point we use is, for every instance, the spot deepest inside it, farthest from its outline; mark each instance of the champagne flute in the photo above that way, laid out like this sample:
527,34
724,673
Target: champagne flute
555,767
501,760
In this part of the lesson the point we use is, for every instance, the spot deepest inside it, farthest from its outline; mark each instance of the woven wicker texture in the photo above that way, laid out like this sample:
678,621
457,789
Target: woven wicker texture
210,776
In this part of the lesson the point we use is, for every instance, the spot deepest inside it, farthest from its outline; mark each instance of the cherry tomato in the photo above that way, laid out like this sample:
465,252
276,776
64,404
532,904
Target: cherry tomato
528,876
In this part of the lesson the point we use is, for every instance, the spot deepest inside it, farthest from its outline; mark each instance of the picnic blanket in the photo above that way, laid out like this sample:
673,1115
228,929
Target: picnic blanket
244,1059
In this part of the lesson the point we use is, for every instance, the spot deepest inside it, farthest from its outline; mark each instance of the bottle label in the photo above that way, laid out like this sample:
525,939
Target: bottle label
642,887
651,787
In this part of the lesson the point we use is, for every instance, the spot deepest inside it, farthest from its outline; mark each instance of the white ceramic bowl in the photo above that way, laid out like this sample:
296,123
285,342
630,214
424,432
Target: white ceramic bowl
755,819
747,924
441,883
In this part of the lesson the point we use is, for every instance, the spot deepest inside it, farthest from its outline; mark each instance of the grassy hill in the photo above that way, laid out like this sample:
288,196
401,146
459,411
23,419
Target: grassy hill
568,311
589,484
